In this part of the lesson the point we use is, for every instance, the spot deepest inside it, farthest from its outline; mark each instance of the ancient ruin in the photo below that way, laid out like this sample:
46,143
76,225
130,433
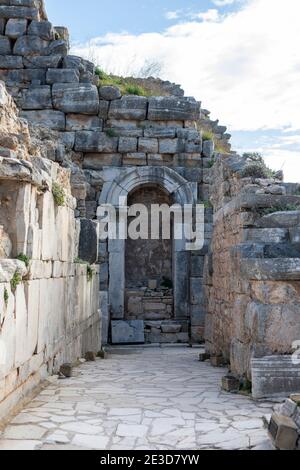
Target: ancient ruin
68,145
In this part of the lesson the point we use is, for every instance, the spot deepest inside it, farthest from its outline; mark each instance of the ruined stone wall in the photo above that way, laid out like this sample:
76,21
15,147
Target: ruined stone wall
49,311
252,273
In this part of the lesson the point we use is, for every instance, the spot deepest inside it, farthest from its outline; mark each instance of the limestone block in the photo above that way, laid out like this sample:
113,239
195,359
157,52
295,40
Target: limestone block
160,132
42,62
40,269
21,327
134,306
51,119
128,332
76,98
5,46
129,107
277,269
59,46
19,12
5,244
30,45
103,109
32,298
295,235
169,146
62,76
127,144
266,235
104,316
196,291
88,241
274,376
172,108
87,141
43,29
96,161
109,93
8,339
21,77
16,27
208,149
80,122
280,220
148,145
11,62
284,432
171,328
37,98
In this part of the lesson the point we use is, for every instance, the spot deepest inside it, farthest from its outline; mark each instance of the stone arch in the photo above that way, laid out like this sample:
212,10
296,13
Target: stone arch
182,192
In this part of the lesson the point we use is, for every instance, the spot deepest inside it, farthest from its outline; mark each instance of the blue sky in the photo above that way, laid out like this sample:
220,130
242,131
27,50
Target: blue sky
90,18
239,57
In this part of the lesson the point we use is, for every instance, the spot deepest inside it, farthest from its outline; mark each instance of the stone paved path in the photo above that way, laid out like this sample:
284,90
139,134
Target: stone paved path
153,398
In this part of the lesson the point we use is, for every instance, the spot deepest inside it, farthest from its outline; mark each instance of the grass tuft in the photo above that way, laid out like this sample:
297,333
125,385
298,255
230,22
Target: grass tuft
24,258
59,195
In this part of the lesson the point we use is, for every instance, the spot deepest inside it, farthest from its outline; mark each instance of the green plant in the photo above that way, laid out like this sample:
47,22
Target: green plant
79,261
111,133
24,258
256,167
89,272
58,193
206,204
211,162
6,296
15,281
134,90
246,386
208,135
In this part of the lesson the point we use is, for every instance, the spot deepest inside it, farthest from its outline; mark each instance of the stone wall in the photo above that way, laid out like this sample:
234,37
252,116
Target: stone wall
49,312
252,273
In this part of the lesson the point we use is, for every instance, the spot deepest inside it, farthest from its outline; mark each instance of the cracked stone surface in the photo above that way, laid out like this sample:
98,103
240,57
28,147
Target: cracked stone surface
148,399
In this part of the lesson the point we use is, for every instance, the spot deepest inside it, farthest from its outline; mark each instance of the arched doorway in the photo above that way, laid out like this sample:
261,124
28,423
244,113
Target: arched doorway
149,265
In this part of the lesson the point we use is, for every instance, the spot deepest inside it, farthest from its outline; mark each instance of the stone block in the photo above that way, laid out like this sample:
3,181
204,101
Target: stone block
217,361
169,146
2,26
135,159
43,29
208,148
82,122
280,220
11,62
196,291
16,27
62,76
89,142
109,93
288,408
197,266
28,13
97,161
90,356
37,98
274,376
148,145
66,369
284,432
129,107
266,235
276,269
160,133
30,45
203,357
42,62
76,98
5,46
128,332
47,118
172,108
295,235
88,241
171,328
127,144
103,109
230,383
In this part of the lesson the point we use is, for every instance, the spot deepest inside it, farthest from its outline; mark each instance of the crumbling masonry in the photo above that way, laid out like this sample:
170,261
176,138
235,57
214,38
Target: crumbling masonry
74,145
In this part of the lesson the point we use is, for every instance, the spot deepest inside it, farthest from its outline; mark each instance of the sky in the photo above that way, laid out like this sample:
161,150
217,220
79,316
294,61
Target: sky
240,58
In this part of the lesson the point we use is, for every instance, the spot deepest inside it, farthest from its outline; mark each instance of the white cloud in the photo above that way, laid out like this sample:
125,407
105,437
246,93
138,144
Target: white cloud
209,15
244,67
172,15
223,3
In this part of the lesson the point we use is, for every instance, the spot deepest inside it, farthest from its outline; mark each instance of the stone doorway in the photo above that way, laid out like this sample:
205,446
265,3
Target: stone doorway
149,273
